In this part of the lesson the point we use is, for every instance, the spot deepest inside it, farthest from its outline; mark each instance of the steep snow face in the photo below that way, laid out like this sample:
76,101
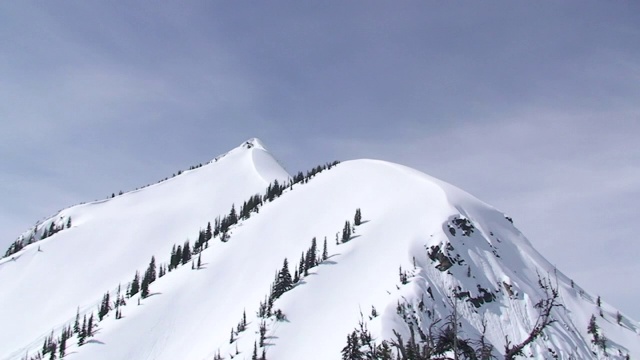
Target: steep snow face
424,248
446,242
42,285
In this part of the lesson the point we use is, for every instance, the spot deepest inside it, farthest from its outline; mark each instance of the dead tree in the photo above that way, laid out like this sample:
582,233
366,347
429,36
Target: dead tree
544,306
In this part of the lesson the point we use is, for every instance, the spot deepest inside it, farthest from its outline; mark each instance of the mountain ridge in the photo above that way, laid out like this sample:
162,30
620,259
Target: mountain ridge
411,221
236,179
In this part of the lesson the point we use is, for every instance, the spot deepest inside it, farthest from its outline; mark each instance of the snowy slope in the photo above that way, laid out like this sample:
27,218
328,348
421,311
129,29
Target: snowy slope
406,214
41,286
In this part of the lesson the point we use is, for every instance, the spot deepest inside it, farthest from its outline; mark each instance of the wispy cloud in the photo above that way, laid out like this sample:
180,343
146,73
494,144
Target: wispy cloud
530,106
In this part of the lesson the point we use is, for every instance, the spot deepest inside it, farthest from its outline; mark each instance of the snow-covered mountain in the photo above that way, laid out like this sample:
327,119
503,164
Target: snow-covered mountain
422,252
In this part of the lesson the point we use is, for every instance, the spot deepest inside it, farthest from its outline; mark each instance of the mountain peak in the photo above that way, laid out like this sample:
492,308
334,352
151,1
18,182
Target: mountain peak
253,142
420,251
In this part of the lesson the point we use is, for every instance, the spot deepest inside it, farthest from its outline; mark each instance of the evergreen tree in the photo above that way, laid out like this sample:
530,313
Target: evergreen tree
149,277
296,277
63,344
263,333
105,306
144,287
352,350
90,326
135,285
311,255
357,219
208,233
301,268
283,281
76,324
216,226
116,303
200,242
255,352
68,226
186,253
151,270
325,253
172,259
178,258
233,217
83,332
346,232
244,319
46,345
199,261
52,351
592,329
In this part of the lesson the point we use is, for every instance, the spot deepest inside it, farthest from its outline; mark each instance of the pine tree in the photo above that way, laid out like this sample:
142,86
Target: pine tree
63,343
45,346
186,252
263,333
149,277
68,226
352,350
172,260
52,350
325,253
346,232
283,281
592,329
255,352
301,268
83,332
135,285
200,242
296,277
151,270
199,261
244,319
90,326
178,258
105,306
144,287
357,219
76,324
233,217
311,255
208,234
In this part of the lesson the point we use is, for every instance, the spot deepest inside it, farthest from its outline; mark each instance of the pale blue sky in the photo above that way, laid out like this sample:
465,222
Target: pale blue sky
531,106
